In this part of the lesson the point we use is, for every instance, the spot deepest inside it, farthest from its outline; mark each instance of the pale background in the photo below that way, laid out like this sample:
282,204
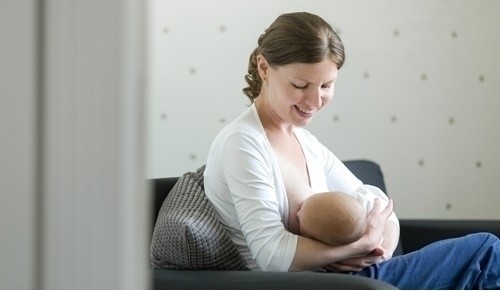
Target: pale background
97,95
419,92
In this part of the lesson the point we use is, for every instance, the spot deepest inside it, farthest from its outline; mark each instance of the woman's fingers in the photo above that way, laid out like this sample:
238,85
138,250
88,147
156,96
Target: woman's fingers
378,207
388,209
336,267
356,264
378,251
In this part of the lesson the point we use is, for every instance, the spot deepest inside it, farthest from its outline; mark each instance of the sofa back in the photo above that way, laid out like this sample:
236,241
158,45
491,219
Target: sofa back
160,188
367,171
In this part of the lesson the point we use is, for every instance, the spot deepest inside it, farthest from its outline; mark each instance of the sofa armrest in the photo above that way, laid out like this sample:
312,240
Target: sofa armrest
255,280
417,233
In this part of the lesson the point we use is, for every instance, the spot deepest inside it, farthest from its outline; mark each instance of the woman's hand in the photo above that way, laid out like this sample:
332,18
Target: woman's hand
375,229
378,255
371,242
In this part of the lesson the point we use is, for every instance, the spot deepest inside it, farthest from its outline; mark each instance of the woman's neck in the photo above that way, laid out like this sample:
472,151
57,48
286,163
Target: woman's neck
272,123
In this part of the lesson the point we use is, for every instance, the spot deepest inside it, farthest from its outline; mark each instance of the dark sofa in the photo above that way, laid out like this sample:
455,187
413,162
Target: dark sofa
414,235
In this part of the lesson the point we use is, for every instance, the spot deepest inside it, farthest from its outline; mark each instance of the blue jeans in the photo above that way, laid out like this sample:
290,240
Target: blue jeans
469,262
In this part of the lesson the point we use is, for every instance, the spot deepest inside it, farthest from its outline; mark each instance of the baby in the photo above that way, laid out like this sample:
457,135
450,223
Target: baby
337,218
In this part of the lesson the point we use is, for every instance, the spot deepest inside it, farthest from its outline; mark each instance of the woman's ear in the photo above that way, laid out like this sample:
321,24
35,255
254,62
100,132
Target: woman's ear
262,67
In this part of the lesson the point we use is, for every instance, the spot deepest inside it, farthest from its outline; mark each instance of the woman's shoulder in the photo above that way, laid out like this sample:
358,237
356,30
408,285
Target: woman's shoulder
246,124
243,129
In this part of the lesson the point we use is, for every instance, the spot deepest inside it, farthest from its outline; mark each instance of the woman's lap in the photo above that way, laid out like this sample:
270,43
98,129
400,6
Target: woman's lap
469,262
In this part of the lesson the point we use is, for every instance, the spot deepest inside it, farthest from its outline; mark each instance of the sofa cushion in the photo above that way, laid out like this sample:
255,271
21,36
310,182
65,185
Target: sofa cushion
188,234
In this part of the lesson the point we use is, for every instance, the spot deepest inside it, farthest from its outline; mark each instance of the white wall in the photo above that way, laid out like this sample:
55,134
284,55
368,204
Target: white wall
418,93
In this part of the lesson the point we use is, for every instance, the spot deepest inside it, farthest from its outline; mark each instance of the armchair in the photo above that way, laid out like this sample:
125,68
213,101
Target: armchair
414,235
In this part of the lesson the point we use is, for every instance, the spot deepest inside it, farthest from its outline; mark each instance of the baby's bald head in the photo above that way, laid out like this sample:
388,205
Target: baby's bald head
333,218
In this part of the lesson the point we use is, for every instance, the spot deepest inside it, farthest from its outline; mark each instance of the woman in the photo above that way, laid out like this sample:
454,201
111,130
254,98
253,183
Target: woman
256,161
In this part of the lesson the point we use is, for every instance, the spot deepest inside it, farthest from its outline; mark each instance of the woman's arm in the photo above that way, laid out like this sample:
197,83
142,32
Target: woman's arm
381,253
311,254
391,239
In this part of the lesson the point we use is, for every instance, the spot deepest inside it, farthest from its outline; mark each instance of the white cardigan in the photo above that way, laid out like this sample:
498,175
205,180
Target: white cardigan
242,179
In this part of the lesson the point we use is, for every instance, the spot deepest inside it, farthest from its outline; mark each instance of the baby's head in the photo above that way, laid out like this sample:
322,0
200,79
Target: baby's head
334,218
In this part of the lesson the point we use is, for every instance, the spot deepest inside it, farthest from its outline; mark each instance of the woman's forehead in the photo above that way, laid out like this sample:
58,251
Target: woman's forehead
324,71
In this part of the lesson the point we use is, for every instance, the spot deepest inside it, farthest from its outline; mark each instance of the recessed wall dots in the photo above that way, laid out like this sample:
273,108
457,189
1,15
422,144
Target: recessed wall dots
448,206
421,162
222,120
366,75
165,30
479,164
193,157
394,119
192,71
396,32
454,34
336,118
423,76
481,78
163,116
222,28
451,120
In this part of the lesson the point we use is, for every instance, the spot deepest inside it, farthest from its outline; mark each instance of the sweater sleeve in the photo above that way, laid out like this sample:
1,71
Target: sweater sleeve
253,184
340,178
366,194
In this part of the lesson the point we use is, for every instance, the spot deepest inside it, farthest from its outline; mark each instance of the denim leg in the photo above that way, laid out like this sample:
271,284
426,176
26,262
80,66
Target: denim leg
469,262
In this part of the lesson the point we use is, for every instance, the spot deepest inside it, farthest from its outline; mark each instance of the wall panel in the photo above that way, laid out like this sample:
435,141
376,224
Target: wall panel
418,93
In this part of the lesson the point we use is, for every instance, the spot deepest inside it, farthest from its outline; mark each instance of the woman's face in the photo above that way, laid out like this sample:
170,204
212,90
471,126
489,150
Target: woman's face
295,92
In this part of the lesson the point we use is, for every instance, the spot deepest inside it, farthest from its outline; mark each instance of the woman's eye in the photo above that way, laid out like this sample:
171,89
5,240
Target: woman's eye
299,87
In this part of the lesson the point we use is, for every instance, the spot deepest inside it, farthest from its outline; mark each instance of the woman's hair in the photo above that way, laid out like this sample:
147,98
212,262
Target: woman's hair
298,37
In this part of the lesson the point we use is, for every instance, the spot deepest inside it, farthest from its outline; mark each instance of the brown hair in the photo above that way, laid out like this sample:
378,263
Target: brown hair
299,37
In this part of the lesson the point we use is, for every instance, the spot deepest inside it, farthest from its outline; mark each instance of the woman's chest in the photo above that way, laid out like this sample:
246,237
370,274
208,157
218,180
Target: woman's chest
297,187
300,172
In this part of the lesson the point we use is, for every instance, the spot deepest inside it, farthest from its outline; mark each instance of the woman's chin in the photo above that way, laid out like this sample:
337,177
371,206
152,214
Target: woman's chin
304,122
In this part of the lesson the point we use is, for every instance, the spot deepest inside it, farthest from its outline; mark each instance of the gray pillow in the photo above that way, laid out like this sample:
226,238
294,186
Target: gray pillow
188,234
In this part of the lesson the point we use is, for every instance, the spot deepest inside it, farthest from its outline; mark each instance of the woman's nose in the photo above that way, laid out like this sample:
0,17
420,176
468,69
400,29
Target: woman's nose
313,98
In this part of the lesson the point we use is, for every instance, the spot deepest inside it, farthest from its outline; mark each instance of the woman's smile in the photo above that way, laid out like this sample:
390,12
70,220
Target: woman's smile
304,113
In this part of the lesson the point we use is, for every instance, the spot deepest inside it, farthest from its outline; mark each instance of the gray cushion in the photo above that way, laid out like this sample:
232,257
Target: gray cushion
188,234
